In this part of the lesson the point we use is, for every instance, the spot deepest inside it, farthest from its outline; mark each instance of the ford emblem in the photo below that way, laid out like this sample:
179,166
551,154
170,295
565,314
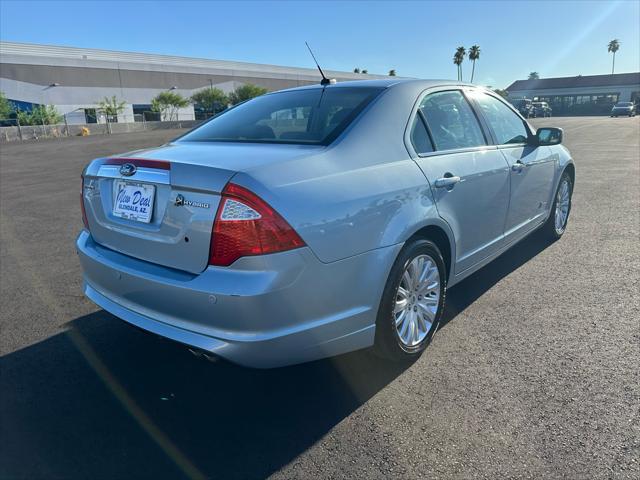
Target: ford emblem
127,169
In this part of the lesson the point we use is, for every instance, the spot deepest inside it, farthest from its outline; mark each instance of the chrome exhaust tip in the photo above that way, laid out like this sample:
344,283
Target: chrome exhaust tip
205,355
196,353
211,358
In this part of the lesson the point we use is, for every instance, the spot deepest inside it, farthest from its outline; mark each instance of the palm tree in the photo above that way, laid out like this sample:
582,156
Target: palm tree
392,72
474,54
534,76
458,58
356,70
457,61
613,47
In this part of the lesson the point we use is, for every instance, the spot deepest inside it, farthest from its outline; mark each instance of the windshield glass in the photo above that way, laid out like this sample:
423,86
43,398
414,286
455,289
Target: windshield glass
314,116
624,104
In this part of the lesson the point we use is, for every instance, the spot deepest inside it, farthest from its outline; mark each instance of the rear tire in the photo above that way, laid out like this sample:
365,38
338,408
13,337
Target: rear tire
412,302
556,224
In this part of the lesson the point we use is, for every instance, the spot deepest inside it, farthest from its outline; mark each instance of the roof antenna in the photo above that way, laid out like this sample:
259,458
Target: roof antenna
325,81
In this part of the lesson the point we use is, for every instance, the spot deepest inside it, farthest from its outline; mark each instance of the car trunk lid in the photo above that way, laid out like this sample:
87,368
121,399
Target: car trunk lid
182,199
186,179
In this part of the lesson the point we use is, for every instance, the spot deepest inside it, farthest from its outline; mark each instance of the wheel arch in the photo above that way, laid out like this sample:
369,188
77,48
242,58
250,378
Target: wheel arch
570,168
438,235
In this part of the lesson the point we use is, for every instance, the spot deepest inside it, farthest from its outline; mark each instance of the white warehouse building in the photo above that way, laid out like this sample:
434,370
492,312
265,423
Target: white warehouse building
74,80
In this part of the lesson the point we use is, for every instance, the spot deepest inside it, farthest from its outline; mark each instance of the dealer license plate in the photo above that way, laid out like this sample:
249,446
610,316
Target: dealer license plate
134,201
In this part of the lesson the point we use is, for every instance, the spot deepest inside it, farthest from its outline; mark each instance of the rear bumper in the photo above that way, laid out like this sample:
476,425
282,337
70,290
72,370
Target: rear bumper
263,312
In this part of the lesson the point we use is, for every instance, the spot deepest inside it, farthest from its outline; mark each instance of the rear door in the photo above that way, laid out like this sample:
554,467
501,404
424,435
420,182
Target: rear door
532,168
469,179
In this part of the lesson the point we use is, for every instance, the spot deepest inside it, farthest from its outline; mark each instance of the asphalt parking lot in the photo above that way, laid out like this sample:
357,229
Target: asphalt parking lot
534,375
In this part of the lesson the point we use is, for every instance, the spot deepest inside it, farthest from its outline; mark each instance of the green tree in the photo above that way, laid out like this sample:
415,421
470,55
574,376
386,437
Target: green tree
246,92
23,117
111,107
534,76
392,73
167,104
6,109
474,54
356,70
211,100
458,58
613,47
40,115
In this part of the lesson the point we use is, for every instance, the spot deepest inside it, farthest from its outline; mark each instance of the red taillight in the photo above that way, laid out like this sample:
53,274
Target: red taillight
246,225
84,213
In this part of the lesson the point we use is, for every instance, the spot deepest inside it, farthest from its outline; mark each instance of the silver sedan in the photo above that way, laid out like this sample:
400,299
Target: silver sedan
319,220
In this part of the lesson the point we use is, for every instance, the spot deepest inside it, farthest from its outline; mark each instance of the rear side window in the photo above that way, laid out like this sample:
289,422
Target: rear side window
506,125
420,137
451,121
314,116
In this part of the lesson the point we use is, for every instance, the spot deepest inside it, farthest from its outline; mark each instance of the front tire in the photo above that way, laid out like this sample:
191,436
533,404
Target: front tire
412,302
556,224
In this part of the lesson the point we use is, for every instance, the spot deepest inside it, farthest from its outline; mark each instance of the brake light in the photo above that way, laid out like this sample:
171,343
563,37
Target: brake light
84,213
246,225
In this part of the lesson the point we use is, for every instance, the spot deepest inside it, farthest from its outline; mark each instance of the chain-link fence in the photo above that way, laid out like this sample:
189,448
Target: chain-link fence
11,130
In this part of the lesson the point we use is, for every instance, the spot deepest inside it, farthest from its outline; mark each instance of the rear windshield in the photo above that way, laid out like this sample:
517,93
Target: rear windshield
314,116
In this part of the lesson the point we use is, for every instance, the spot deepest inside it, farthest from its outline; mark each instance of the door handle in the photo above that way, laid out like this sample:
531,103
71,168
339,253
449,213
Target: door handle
446,182
519,166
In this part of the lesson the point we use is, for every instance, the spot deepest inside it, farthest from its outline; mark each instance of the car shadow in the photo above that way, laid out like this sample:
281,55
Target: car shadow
466,292
104,400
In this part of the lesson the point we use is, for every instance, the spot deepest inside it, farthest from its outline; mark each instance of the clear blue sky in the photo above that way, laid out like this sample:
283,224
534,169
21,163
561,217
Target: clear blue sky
418,39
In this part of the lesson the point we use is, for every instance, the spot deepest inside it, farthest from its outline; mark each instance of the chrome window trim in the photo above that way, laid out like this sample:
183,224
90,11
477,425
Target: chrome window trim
504,146
457,150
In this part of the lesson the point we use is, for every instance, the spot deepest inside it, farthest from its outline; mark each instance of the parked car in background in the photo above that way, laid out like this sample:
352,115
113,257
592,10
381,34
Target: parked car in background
623,108
524,106
315,221
541,109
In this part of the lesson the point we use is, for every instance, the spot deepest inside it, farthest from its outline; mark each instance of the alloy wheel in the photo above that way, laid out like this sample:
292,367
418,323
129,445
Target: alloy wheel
417,300
563,200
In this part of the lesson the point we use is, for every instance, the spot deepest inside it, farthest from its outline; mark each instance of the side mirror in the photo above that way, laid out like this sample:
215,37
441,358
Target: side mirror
549,136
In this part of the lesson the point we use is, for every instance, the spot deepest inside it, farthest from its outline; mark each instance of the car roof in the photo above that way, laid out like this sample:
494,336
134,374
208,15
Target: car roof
382,83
